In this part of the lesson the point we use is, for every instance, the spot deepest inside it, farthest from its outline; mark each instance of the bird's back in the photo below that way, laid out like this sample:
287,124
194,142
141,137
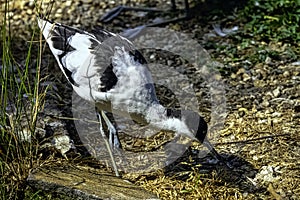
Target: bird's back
101,62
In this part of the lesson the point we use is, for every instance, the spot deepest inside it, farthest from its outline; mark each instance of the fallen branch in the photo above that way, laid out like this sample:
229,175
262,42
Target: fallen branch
252,140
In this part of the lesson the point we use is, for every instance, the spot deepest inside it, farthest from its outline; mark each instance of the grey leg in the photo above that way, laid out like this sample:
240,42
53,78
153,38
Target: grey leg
107,145
113,135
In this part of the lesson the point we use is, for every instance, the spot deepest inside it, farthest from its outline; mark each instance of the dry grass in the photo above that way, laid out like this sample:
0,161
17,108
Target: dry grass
257,145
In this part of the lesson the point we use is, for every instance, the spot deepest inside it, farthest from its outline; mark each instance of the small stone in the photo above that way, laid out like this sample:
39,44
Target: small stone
246,77
68,3
276,121
268,60
62,143
263,121
258,83
152,56
286,73
29,11
253,151
276,92
268,96
170,62
260,73
242,111
241,71
59,11
276,114
16,17
32,3
297,63
265,103
233,76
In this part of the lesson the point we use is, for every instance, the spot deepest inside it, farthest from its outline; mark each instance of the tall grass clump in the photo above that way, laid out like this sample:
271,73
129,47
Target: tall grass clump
21,99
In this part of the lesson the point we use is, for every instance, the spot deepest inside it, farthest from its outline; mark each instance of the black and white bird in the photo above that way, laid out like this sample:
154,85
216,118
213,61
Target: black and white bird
106,69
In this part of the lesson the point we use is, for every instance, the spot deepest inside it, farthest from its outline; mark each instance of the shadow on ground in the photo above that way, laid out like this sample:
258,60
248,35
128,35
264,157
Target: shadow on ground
239,176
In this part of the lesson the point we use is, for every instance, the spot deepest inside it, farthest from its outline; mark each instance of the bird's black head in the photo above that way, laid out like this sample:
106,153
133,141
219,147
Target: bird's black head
194,122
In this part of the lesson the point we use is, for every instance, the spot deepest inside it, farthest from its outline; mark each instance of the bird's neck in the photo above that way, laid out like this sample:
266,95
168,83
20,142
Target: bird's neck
166,119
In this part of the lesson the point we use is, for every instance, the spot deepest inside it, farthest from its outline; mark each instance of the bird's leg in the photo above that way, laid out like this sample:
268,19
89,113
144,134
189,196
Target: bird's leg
113,135
107,145
114,140
215,153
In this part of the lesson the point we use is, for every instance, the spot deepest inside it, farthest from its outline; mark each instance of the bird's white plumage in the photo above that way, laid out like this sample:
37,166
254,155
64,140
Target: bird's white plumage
75,60
130,92
80,61
106,69
46,29
86,72
133,91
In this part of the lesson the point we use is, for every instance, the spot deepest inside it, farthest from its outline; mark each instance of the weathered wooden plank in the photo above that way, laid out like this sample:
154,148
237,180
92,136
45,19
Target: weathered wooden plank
85,183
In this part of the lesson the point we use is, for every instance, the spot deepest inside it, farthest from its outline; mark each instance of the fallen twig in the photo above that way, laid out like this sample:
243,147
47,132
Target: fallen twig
252,140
